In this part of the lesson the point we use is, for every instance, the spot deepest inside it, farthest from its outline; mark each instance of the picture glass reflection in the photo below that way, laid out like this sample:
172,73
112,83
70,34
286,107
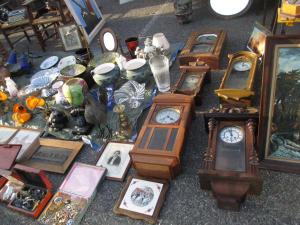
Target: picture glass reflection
283,141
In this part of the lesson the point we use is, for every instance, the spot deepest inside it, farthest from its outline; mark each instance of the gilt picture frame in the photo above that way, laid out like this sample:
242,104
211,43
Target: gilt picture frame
279,138
87,15
142,199
116,159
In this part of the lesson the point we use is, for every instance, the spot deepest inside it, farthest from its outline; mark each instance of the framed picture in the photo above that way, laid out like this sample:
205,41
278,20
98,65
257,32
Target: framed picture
279,136
115,158
54,155
257,40
6,133
29,139
142,199
87,15
70,37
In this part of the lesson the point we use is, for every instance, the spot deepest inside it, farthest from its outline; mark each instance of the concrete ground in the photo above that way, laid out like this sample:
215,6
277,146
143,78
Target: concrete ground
186,203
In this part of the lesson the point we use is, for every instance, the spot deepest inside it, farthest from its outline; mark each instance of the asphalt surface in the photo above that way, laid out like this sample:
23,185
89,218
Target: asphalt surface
186,203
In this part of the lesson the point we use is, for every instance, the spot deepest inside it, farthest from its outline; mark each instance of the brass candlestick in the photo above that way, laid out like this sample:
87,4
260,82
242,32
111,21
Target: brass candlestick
125,129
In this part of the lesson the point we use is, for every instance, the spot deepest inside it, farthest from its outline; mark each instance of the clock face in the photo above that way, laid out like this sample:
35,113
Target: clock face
242,65
232,135
190,82
207,38
167,116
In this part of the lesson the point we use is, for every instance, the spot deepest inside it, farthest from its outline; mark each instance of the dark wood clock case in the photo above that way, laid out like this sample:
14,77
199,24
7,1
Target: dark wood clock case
231,186
158,148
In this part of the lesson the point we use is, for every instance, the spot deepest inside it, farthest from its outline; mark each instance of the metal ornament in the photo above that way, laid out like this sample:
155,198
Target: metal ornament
125,129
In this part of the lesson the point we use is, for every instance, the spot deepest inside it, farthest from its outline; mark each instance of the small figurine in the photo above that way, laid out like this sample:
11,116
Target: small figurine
183,11
82,127
57,120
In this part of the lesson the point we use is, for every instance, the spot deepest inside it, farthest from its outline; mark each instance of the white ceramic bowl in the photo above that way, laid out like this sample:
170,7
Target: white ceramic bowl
134,64
103,68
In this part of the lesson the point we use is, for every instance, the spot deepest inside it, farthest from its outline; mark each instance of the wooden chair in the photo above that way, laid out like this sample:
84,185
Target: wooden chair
8,29
45,22
11,29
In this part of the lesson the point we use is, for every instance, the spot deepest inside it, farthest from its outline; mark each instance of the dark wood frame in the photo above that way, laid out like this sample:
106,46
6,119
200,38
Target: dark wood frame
238,97
74,146
150,219
266,92
205,77
129,163
230,188
212,59
101,41
59,31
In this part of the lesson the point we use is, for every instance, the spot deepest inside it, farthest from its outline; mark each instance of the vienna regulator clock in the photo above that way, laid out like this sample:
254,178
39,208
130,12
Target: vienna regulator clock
230,163
203,48
192,81
159,145
237,84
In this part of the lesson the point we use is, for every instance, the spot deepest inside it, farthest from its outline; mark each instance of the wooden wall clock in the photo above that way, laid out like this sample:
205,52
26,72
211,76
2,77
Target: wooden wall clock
192,80
159,145
237,84
203,48
230,163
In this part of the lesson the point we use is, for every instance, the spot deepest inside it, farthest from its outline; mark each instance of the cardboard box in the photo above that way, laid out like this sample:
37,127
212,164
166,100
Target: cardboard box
75,193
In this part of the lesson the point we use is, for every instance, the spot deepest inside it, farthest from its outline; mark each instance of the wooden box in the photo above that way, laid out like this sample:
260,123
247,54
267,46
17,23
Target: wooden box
35,179
203,48
290,9
230,171
8,154
78,190
192,80
159,145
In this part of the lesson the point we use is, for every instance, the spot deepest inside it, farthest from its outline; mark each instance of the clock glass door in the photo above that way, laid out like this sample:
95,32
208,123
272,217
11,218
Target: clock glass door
190,82
205,43
230,150
239,73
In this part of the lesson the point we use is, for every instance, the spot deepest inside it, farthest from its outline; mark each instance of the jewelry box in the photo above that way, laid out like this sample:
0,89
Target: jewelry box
74,196
27,190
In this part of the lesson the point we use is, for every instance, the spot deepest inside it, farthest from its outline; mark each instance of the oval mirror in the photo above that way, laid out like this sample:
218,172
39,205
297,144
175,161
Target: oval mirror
109,41
229,8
